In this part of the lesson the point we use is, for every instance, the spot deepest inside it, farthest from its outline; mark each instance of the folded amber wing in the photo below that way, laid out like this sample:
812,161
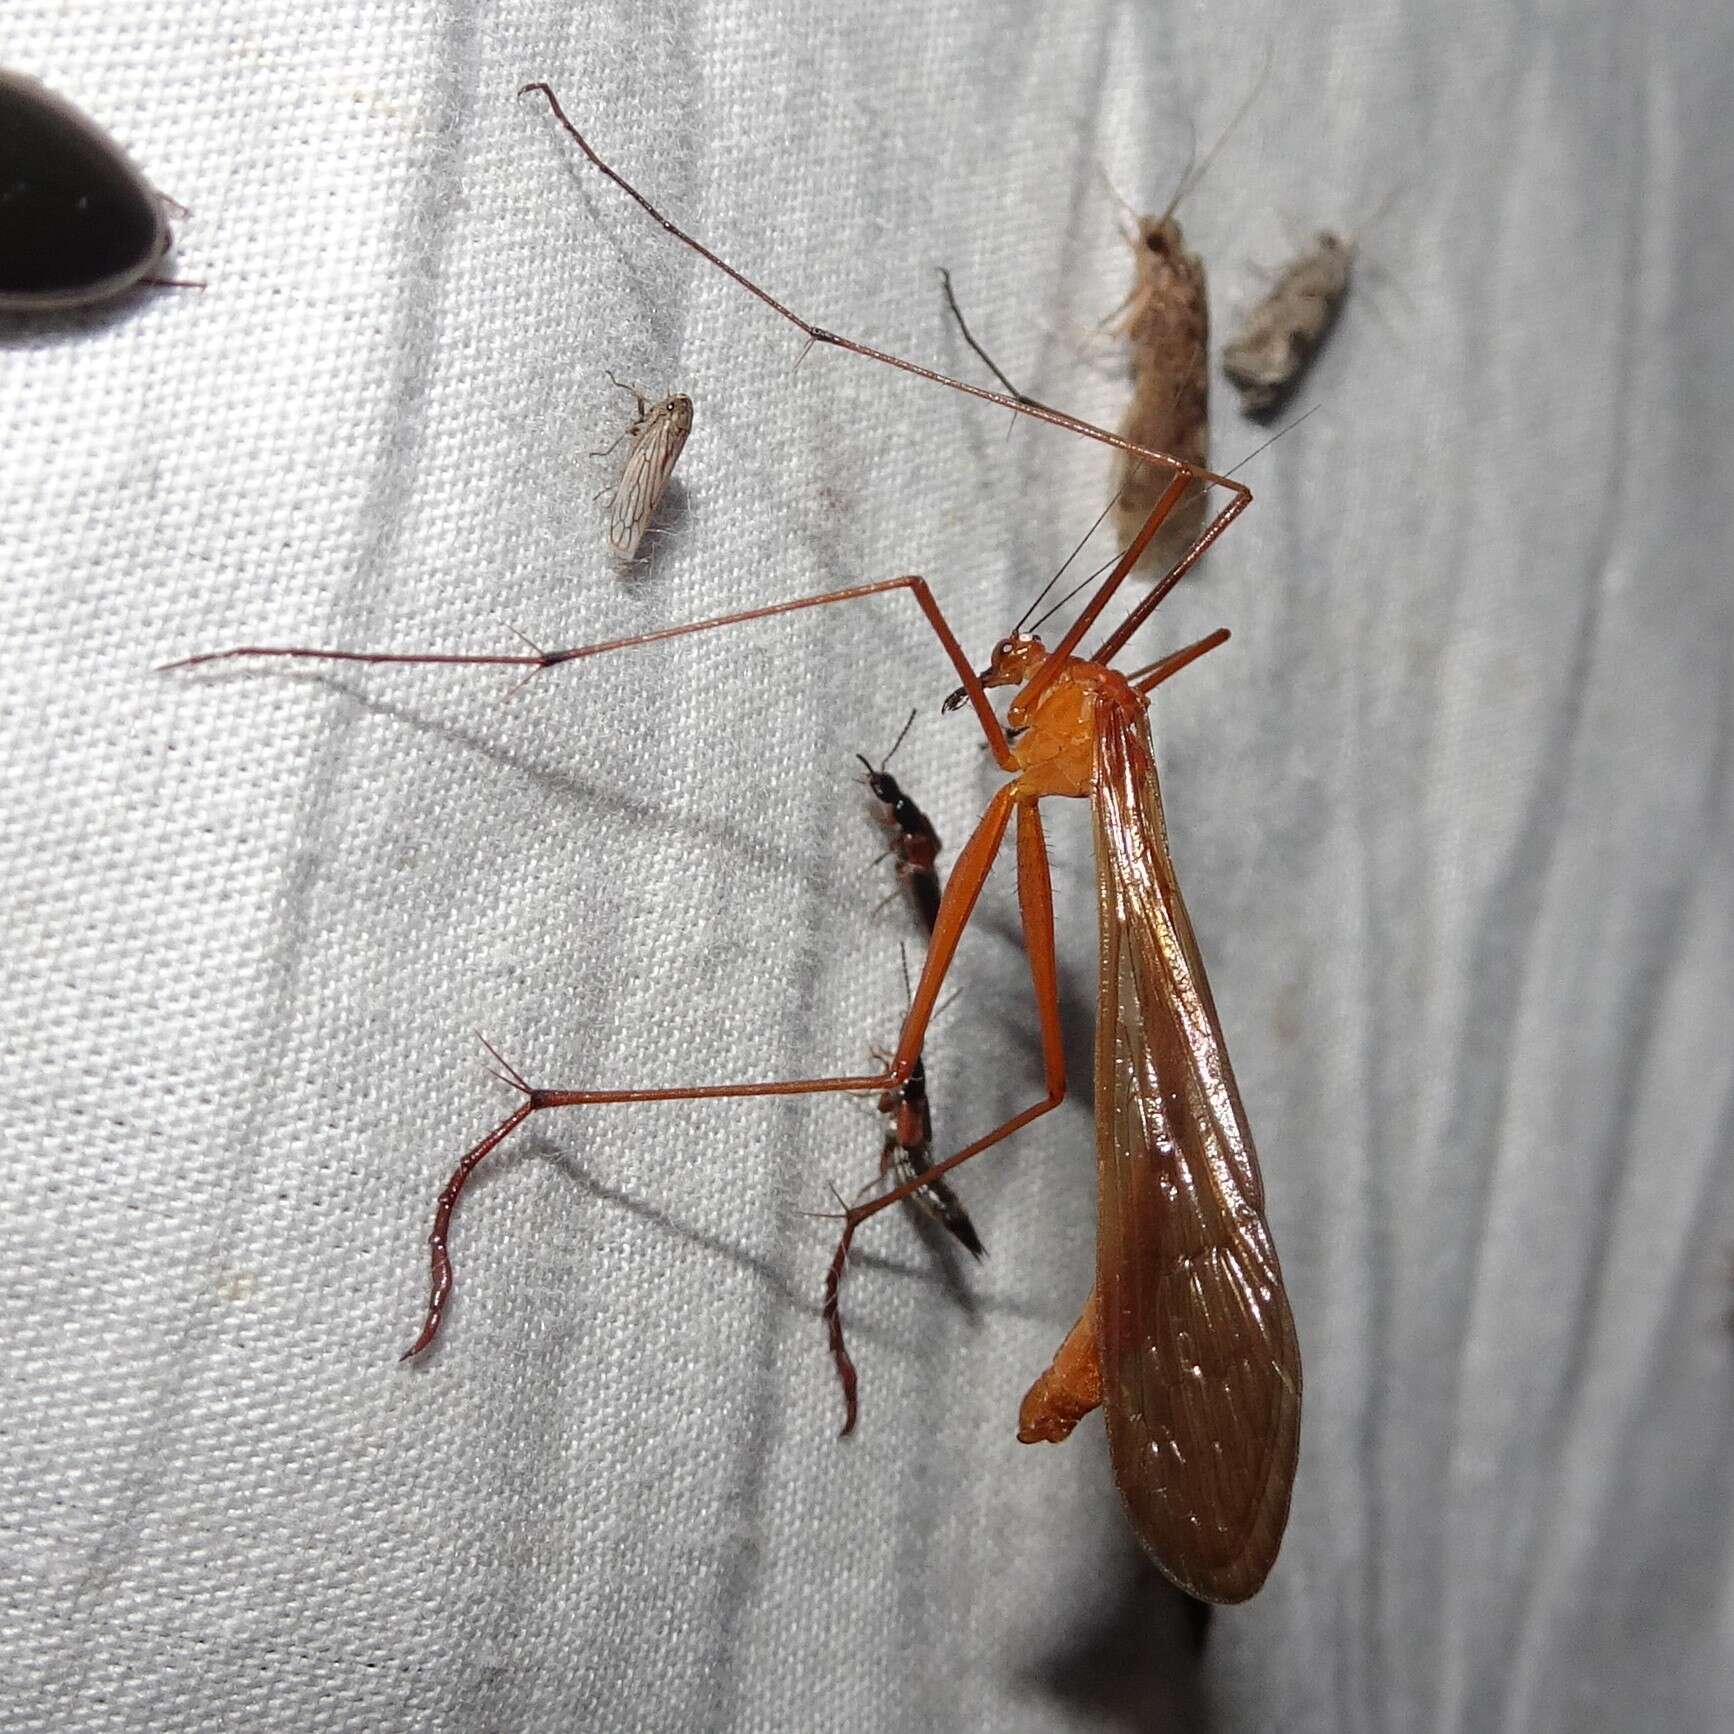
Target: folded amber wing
1200,1369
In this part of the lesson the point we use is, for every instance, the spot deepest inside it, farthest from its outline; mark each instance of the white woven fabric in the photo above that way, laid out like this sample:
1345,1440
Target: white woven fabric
1452,813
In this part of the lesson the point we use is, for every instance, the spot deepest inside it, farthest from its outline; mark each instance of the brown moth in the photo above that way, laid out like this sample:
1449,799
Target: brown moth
1167,329
1166,323
1266,358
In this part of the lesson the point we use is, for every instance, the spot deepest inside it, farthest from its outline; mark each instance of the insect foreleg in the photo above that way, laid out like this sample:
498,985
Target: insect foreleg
539,659
1146,680
1036,905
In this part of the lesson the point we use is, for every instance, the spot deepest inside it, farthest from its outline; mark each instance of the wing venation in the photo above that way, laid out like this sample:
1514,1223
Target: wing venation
1200,1367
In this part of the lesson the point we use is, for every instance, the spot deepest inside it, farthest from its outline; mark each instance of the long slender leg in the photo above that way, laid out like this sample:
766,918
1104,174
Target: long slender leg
1117,640
818,334
1036,905
540,659
974,862
967,878
1111,646
968,336
1184,473
1146,680
959,900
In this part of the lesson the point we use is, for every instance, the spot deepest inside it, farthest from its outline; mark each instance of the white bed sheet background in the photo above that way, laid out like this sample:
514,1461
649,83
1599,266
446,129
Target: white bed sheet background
1452,812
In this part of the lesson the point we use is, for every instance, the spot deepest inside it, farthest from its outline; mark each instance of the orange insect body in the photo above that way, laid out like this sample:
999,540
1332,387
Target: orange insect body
1187,1339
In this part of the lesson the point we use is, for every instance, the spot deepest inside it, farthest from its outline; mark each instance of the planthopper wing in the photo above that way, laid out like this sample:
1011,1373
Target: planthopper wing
1200,1369
657,443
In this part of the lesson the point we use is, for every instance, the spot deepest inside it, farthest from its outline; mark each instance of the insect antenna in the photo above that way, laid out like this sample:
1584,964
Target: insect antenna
941,1008
1257,450
1117,639
961,695
1147,606
1281,433
874,774
1130,235
1196,172
908,991
902,734
1077,589
1371,267
1101,518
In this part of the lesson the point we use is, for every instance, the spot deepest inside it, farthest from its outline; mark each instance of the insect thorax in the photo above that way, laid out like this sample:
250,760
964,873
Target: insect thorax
1057,749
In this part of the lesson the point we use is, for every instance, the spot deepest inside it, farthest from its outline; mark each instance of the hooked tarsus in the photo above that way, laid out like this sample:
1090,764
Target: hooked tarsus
440,1280
832,1314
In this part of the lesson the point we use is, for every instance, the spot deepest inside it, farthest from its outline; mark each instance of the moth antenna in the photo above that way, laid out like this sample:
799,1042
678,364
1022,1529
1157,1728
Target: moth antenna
1130,234
1190,180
